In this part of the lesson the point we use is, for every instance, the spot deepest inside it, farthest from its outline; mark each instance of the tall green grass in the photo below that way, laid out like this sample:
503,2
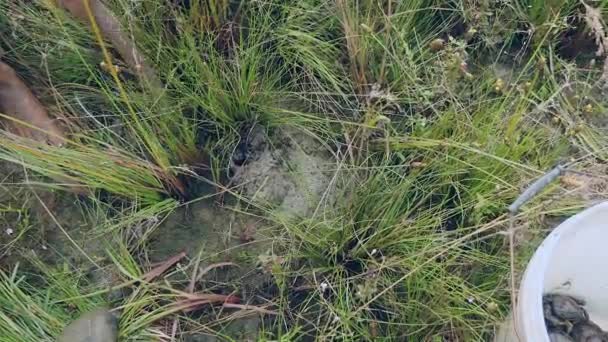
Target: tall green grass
432,145
115,115
38,307
86,168
416,251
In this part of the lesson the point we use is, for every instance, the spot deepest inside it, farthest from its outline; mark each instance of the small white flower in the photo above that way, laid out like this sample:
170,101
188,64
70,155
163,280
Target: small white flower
471,300
9,231
323,287
44,248
374,251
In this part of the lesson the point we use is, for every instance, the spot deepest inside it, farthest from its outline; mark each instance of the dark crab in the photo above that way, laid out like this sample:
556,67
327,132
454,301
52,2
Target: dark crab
563,312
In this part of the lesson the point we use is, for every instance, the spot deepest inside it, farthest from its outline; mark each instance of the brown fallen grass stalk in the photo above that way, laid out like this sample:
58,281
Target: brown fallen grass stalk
252,308
163,267
193,301
113,32
28,118
357,55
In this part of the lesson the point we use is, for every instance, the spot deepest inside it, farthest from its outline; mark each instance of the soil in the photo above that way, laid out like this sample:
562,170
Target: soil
29,230
222,236
288,173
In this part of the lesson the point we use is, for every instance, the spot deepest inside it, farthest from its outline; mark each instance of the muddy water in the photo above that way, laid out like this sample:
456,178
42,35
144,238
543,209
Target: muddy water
37,222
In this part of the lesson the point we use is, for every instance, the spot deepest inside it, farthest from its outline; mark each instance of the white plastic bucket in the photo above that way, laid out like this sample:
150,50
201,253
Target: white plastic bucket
572,260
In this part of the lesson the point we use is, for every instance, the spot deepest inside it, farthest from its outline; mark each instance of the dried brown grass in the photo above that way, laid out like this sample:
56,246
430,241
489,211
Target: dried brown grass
597,25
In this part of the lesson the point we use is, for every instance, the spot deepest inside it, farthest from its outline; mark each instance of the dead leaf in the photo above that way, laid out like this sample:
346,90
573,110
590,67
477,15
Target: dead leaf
18,102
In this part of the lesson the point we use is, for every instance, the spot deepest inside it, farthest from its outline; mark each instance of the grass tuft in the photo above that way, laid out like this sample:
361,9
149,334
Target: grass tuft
435,115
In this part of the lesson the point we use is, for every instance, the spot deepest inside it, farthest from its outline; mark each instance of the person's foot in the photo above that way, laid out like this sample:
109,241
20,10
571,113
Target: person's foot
99,325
